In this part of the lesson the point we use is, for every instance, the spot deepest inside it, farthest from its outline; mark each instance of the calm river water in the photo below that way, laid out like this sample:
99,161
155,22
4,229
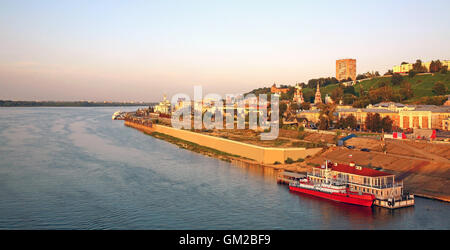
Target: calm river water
75,168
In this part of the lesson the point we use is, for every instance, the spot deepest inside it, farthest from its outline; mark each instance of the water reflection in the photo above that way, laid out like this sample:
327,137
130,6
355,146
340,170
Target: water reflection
357,217
74,168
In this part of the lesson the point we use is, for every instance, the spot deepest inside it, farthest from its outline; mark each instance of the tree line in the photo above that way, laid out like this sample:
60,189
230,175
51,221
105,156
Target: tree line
8,103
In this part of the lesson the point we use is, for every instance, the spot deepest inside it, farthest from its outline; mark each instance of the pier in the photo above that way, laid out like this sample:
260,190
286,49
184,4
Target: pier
406,201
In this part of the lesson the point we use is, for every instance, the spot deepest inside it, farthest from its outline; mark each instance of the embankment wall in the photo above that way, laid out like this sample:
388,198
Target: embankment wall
260,154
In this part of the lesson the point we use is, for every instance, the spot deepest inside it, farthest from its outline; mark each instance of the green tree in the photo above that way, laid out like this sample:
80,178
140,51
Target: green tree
337,94
349,99
439,88
283,108
360,77
435,66
373,122
386,124
406,91
305,106
396,79
362,102
294,107
350,90
350,122
412,73
326,116
383,94
383,84
340,123
418,67
433,100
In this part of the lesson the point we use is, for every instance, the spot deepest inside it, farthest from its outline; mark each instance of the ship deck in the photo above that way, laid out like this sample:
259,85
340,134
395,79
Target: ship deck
408,202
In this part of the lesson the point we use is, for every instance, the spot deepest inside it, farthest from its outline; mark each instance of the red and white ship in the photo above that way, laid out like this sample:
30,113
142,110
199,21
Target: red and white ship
331,190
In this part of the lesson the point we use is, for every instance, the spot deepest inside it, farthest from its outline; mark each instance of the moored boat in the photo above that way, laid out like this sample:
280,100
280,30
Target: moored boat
118,115
331,190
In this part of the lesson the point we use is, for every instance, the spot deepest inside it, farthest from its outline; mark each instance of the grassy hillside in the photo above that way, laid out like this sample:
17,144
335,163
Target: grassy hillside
422,86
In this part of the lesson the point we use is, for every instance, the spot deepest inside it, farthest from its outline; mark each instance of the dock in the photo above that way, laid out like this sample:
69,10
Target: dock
284,177
406,201
387,192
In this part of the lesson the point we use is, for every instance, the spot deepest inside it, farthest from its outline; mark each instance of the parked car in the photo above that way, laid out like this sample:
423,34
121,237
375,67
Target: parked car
365,150
351,147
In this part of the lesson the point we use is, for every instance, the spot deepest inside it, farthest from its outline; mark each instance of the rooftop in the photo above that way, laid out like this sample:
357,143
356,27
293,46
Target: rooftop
432,108
344,168
365,110
387,104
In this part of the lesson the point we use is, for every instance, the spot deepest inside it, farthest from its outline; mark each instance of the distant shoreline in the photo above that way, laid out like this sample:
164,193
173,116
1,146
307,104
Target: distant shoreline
8,103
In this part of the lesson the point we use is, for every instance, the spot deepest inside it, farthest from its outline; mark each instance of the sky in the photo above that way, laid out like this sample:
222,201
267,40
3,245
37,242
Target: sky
140,50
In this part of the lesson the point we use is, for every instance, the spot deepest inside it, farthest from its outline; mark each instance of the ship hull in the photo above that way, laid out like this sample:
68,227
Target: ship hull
355,199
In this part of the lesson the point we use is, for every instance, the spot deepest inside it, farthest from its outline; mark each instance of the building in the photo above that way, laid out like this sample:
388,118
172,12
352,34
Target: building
346,68
328,99
361,115
365,180
318,96
403,116
403,69
275,90
392,106
446,124
163,107
406,67
298,95
312,116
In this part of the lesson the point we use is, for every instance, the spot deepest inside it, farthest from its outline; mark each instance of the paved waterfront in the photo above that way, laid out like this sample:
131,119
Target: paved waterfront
74,168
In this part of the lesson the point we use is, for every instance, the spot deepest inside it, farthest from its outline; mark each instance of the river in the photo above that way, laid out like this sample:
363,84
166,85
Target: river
75,168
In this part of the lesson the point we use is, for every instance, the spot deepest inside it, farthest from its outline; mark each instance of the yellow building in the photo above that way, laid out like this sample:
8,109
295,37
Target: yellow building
405,68
403,116
361,114
311,115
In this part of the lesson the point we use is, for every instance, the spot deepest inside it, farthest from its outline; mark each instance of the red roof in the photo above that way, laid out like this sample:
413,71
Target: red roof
344,168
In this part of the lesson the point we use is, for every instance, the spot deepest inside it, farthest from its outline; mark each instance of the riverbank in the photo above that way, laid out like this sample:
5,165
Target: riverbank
212,152
421,184
263,155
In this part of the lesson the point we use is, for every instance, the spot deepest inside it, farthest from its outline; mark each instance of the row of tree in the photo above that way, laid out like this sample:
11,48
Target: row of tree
373,122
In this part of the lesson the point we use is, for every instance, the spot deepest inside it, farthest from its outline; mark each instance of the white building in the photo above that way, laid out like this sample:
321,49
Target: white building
163,107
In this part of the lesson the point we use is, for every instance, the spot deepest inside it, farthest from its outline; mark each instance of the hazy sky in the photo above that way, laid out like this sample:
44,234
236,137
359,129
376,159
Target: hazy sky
138,50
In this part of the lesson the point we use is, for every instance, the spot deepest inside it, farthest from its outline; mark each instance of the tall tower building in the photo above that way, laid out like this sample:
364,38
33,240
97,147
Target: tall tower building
318,98
346,68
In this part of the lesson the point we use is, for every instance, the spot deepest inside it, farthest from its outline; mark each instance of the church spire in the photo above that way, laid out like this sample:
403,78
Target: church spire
318,98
